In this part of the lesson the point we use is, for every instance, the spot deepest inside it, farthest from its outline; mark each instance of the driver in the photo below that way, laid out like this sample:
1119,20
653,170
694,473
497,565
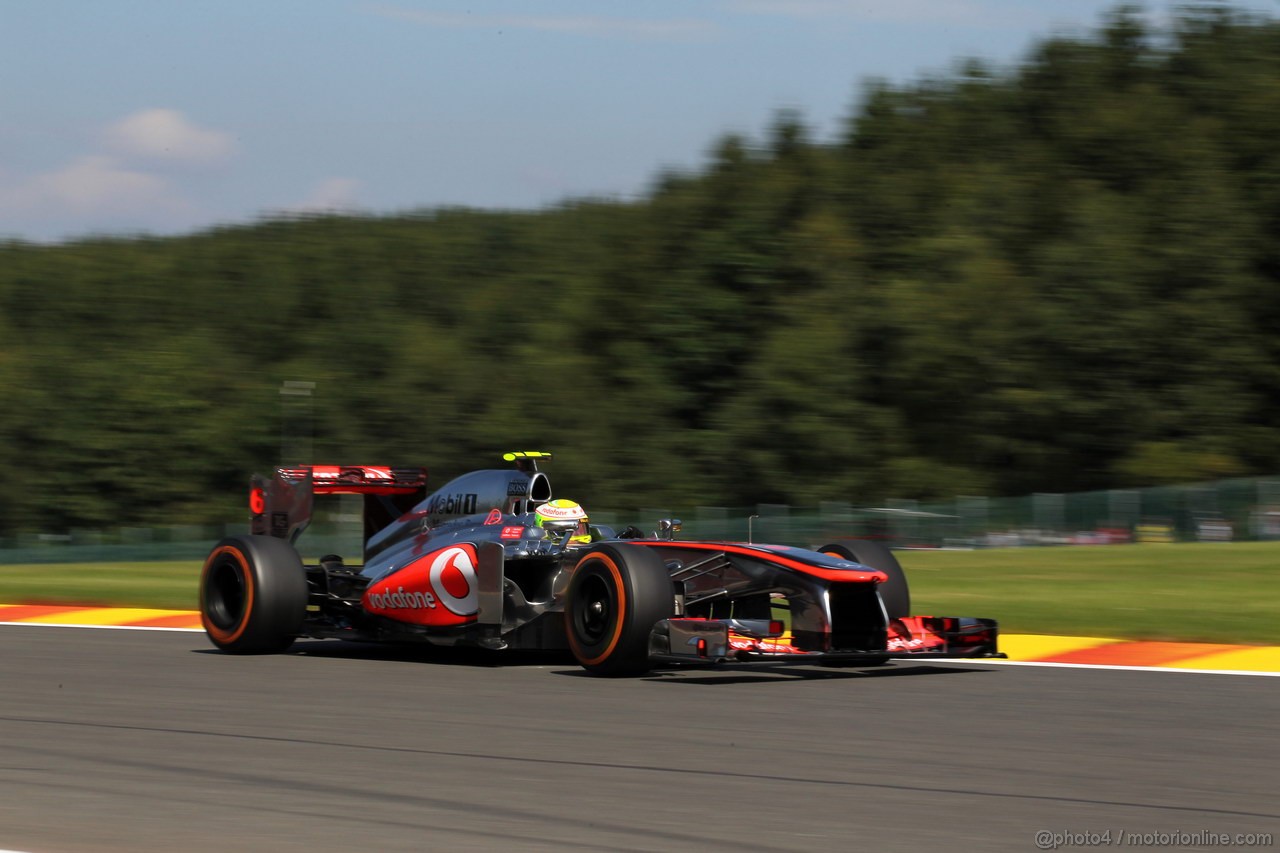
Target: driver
562,516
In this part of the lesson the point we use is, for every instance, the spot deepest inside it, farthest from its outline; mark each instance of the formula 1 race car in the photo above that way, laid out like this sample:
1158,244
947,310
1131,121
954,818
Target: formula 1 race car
485,562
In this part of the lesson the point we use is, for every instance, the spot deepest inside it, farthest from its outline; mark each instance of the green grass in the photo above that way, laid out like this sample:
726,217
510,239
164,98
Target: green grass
165,585
1225,593
1211,592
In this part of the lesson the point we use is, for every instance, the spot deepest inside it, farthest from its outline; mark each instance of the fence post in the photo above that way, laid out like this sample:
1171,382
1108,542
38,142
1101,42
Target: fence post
296,410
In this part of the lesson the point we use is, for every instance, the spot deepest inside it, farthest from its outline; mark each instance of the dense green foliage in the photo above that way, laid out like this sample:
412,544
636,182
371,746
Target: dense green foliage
1056,277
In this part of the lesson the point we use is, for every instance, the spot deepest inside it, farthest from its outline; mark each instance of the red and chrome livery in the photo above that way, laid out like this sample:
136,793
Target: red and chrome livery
469,565
438,589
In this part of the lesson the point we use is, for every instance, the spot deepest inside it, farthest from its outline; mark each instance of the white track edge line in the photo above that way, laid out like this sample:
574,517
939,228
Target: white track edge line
106,627
1115,666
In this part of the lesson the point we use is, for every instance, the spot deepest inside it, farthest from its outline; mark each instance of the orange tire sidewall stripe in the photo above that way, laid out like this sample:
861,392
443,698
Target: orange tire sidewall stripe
622,610
214,631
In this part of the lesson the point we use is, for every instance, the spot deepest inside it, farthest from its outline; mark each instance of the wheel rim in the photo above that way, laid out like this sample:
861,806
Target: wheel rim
225,593
594,610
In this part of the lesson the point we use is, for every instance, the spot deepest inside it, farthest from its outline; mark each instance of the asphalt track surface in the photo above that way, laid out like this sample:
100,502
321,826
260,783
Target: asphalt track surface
151,740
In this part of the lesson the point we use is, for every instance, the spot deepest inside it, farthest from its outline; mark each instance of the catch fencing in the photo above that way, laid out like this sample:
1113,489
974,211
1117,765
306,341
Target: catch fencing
1219,511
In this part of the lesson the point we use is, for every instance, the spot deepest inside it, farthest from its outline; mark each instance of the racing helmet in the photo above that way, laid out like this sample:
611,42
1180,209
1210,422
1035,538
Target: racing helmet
563,516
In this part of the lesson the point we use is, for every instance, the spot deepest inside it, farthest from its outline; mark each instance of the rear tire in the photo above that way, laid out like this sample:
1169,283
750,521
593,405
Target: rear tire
616,595
253,595
894,592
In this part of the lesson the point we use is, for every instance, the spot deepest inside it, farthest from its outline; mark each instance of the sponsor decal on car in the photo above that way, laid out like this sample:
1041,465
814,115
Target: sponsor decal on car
512,532
437,589
453,576
561,513
401,600
517,488
897,644
494,517
455,504
751,644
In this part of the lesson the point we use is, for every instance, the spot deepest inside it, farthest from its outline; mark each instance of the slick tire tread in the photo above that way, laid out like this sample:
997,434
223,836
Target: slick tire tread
616,595
253,595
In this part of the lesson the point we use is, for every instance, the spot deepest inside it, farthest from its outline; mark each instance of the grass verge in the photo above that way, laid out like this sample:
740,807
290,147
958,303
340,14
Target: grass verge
1192,592
165,585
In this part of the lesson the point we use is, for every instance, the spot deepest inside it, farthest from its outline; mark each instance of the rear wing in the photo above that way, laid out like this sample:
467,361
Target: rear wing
281,505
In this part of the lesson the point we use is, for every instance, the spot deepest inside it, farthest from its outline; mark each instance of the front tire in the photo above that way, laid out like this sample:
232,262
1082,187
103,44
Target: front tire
893,592
253,595
616,595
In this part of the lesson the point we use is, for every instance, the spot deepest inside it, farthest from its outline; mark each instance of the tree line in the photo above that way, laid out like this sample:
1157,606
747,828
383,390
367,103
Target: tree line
1059,276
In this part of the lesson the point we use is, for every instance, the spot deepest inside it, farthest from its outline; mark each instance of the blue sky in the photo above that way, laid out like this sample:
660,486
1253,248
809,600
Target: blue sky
166,117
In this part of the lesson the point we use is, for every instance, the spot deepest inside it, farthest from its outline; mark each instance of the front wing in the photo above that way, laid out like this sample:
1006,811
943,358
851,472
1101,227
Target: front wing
713,641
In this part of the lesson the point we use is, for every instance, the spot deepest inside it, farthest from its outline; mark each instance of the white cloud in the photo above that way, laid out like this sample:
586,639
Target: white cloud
669,29
116,186
160,134
964,12
331,194
88,186
91,194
